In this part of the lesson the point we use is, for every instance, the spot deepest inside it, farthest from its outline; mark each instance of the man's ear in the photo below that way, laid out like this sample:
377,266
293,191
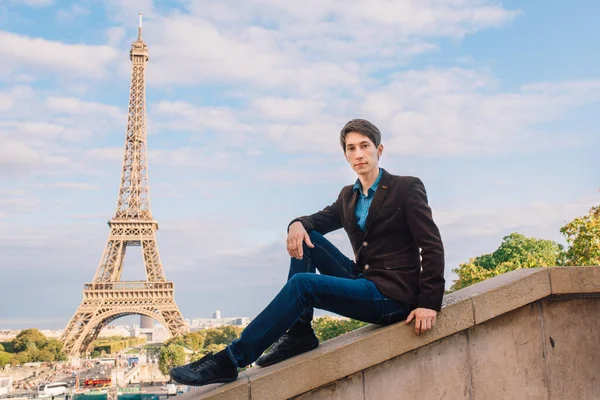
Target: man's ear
379,150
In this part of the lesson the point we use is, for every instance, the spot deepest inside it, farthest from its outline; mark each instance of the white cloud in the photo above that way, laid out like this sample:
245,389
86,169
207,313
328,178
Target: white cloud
43,55
114,154
115,35
41,132
294,109
74,106
71,13
191,157
306,46
448,112
457,111
6,102
68,185
187,117
532,219
126,12
17,158
16,202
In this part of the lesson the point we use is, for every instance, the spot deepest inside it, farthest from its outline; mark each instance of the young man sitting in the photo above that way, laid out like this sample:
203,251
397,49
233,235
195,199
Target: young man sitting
397,273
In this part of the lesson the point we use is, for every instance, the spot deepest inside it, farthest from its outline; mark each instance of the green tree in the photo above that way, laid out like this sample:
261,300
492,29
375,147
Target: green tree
28,339
5,358
328,327
29,355
583,236
194,341
170,356
516,251
8,347
45,355
221,335
55,347
178,340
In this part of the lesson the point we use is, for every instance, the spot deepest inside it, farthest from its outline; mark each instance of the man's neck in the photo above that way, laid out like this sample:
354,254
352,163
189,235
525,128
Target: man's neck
367,180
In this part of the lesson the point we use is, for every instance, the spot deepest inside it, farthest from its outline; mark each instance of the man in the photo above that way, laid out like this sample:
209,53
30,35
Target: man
387,219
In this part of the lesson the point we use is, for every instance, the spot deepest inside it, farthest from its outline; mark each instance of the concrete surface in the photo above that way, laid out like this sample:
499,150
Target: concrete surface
527,334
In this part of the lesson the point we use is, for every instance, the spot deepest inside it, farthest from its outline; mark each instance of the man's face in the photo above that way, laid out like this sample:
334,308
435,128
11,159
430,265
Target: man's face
361,153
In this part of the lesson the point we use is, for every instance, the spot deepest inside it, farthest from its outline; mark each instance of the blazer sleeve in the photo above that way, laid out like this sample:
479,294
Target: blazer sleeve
428,239
324,221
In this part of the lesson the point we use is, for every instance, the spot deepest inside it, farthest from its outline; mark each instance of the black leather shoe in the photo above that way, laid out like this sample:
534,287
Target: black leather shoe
203,372
288,346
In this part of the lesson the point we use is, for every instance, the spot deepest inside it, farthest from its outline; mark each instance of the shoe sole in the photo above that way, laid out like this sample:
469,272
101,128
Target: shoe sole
229,380
278,360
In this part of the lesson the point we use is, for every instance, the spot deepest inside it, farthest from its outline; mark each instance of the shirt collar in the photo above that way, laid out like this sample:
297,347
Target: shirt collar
358,186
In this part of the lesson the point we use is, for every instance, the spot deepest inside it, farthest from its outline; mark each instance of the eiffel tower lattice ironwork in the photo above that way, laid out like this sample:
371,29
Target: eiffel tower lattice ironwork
107,297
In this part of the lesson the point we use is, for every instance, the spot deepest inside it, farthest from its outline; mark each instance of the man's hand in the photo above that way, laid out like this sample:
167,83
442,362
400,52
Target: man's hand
296,235
424,319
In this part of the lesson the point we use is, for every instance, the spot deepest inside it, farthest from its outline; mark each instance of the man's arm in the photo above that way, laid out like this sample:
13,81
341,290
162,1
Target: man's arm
428,239
324,221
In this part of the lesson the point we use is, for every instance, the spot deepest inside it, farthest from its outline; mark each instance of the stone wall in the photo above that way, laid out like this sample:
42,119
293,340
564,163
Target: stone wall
546,350
528,334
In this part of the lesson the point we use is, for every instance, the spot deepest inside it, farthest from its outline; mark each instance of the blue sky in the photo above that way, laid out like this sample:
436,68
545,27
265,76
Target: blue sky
493,104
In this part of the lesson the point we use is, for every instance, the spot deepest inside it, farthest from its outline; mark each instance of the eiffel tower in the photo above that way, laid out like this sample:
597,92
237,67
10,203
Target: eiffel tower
107,297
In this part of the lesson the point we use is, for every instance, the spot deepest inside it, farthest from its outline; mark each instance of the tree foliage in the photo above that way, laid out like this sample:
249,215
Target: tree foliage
30,345
194,341
516,251
328,327
221,335
170,356
5,358
583,236
29,339
199,341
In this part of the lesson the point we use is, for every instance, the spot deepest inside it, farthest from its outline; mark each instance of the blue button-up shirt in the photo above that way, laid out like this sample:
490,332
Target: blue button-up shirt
364,202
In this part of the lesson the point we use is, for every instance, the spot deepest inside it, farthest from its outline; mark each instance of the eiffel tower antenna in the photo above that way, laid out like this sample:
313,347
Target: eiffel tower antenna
107,297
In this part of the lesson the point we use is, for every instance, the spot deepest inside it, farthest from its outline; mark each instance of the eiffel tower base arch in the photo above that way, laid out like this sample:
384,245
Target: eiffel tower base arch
106,302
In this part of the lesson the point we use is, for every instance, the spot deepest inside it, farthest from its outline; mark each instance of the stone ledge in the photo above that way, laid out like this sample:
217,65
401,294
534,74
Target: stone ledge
567,280
372,345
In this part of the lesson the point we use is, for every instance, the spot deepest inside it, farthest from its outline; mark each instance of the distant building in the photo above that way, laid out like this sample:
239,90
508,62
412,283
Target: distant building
217,321
114,330
5,384
146,322
8,334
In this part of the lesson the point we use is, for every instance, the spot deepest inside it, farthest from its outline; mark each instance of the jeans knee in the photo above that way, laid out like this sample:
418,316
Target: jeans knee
315,236
300,282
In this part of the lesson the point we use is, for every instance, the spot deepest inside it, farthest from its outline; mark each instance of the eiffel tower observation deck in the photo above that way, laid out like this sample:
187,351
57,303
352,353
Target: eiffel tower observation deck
107,298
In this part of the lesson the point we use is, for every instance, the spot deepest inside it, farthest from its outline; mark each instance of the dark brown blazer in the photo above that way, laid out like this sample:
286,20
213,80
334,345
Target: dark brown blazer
387,252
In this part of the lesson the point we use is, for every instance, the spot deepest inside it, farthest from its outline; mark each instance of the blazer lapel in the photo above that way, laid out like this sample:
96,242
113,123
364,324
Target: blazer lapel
376,203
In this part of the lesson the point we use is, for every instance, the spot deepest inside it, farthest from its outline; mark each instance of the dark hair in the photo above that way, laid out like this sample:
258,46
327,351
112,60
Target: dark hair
360,126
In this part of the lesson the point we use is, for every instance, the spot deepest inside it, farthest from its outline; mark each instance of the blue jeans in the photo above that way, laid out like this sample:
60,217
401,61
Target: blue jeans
338,289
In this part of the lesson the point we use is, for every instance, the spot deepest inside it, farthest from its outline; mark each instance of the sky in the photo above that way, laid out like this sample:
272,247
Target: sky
493,104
